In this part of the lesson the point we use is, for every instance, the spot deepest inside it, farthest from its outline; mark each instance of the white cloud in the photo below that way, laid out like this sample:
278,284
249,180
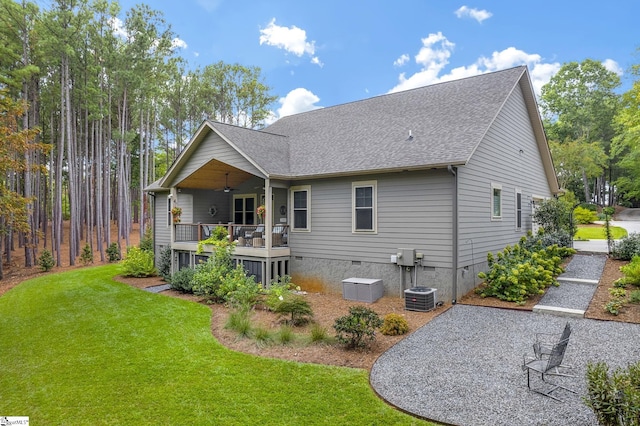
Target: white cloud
613,66
177,43
296,101
478,15
403,59
436,51
118,27
291,39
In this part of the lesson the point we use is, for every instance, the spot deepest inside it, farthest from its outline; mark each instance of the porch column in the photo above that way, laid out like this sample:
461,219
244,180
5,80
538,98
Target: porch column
268,228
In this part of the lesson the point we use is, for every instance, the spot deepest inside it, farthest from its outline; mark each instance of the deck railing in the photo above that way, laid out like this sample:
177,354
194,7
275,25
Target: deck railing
244,235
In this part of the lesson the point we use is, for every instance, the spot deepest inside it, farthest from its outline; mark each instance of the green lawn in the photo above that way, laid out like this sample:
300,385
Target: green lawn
597,233
78,348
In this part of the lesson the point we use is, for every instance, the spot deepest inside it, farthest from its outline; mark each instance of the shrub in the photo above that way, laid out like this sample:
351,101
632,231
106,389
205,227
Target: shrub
588,206
358,328
181,280
631,272
45,261
614,306
584,216
547,239
627,247
138,263
86,257
146,243
240,322
554,215
113,253
517,273
278,290
615,399
164,263
394,325
210,275
219,234
296,306
239,290
634,297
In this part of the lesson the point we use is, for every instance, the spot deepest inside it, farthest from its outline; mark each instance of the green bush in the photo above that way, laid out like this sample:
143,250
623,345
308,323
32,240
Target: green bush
627,247
113,253
146,243
210,275
285,334
138,263
296,307
516,273
614,306
278,290
86,257
554,215
584,216
546,239
631,272
634,297
45,261
164,264
615,399
181,280
358,328
589,206
238,290
394,325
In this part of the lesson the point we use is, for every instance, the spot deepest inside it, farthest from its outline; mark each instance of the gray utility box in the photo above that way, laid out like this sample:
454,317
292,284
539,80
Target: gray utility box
362,289
422,299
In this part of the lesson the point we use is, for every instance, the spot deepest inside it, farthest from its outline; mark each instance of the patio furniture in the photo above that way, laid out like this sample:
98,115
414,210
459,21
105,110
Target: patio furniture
548,366
545,341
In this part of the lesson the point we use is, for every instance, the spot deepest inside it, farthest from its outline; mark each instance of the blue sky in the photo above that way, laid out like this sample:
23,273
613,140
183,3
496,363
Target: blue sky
322,53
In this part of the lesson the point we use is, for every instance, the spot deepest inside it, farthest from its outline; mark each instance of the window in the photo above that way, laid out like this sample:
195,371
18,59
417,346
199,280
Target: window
364,206
301,205
244,209
169,219
496,201
518,209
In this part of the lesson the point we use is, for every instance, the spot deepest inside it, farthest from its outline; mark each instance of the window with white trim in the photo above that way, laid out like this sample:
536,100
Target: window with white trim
496,201
301,208
364,196
518,209
244,209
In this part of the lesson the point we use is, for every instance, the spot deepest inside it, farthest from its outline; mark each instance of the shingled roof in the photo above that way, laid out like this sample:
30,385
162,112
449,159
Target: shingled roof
427,127
447,121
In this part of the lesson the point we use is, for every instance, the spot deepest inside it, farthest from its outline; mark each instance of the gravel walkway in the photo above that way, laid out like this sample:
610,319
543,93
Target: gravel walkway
464,366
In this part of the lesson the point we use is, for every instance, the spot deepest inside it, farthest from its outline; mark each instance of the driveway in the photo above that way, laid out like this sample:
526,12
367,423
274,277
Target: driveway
464,367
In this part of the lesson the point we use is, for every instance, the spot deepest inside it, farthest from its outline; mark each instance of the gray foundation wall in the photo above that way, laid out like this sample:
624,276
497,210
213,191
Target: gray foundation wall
327,275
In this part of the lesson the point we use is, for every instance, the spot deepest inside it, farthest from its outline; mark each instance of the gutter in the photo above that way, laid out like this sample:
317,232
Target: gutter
454,235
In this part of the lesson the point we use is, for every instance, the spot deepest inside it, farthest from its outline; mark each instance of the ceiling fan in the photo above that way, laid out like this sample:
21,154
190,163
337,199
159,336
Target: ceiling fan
227,188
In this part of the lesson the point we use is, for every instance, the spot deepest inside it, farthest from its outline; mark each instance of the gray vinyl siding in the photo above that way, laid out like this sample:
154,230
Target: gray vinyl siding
204,199
213,147
414,211
508,156
162,232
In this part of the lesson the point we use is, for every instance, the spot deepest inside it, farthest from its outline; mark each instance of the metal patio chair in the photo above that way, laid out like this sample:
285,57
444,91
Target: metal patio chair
548,366
545,342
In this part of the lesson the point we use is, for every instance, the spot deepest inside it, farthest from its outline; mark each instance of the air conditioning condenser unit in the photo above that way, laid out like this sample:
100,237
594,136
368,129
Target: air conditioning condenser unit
422,299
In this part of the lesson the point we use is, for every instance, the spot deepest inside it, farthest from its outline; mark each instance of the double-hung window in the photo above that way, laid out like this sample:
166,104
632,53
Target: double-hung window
301,207
364,196
496,201
244,209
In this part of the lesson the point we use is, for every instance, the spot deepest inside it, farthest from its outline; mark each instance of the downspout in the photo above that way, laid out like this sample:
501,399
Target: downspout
454,235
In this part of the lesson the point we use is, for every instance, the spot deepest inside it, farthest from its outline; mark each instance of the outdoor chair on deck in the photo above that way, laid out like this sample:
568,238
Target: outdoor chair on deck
548,366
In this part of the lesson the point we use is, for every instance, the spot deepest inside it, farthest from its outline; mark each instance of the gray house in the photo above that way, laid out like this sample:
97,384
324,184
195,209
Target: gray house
413,188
